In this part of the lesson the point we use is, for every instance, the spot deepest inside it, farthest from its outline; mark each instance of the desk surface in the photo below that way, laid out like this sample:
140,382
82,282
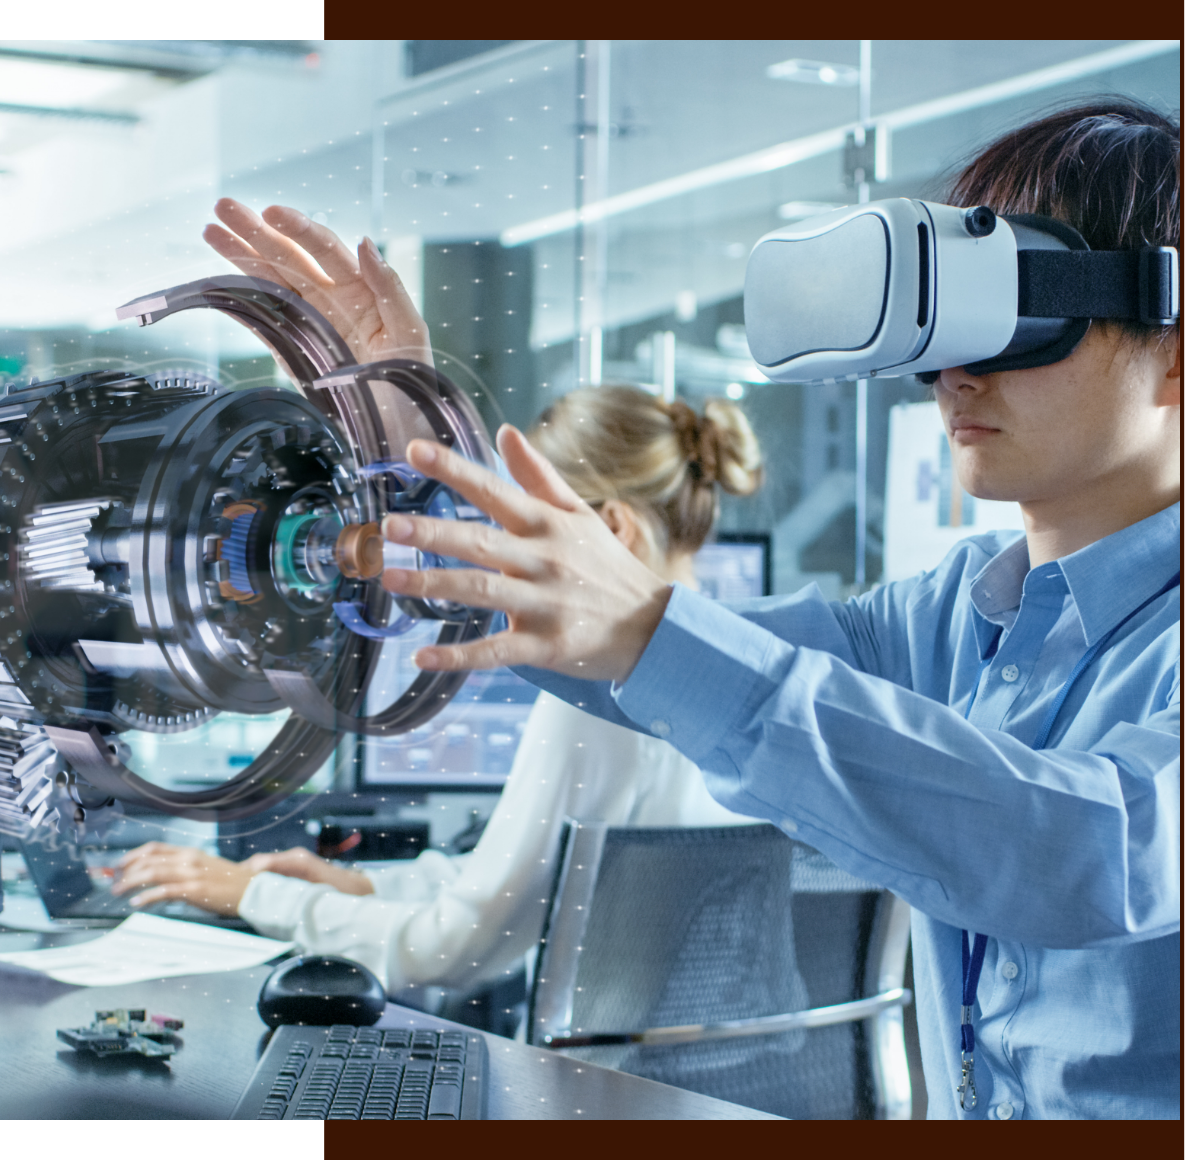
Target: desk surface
42,1078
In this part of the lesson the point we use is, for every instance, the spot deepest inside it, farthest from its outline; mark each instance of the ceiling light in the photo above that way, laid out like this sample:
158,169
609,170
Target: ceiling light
814,72
793,210
735,391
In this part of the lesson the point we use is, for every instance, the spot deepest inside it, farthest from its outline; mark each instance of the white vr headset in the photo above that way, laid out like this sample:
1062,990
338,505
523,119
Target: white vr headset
904,287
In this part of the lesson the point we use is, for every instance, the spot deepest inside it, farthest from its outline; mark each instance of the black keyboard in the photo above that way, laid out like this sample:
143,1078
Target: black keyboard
362,1073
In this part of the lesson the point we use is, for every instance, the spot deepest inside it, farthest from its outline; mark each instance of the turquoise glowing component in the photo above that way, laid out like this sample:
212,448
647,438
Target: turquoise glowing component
303,550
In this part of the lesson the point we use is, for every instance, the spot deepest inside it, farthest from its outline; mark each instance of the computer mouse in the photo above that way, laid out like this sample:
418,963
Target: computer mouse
320,990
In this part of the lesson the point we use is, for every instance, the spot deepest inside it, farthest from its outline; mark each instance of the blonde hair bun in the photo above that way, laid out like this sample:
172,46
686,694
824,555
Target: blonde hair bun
720,445
621,443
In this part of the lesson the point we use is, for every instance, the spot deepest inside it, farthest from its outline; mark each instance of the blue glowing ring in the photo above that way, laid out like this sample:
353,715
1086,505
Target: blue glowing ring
351,616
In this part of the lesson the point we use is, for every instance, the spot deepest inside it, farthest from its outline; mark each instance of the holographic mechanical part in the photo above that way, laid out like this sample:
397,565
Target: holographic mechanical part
28,768
171,550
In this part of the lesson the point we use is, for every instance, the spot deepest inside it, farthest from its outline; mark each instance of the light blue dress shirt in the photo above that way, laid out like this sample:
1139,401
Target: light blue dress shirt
844,724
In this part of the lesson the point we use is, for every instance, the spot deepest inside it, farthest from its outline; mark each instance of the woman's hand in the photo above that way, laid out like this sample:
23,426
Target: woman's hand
301,863
181,872
578,601
163,873
360,295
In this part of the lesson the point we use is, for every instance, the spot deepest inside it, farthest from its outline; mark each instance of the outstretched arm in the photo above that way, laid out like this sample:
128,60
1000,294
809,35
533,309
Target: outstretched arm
829,729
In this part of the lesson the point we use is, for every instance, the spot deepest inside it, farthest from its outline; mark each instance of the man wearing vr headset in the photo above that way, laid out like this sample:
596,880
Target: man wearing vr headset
997,740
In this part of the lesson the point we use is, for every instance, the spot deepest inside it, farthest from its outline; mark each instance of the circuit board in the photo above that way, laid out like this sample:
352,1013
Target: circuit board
124,1031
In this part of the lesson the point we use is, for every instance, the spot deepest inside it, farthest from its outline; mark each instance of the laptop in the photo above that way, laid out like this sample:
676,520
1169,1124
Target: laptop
69,894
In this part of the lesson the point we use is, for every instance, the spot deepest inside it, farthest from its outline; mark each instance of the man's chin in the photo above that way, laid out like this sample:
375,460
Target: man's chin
982,485
998,495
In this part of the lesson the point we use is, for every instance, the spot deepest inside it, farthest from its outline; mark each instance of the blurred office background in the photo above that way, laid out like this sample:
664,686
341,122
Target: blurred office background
565,212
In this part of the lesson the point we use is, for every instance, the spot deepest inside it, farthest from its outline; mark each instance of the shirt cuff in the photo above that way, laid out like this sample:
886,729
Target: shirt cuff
701,667
274,903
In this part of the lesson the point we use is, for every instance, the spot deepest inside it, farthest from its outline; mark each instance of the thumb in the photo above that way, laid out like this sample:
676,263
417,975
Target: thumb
533,472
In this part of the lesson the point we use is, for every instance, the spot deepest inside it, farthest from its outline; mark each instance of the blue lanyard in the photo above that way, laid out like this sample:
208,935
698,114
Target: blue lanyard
973,953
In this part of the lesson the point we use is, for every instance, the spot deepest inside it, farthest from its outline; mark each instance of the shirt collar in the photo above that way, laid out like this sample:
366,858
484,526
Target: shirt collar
1112,577
1107,579
996,592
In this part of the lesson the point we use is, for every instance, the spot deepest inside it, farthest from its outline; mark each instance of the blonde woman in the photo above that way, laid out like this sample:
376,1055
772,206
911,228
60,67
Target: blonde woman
653,471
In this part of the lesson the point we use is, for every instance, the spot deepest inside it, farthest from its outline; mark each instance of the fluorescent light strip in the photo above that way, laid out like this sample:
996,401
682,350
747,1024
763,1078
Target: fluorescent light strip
813,72
1042,78
777,157
72,114
780,156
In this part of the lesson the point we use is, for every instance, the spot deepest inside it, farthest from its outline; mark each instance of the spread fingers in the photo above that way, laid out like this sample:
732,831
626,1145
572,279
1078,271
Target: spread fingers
470,586
320,241
236,251
283,254
512,508
476,543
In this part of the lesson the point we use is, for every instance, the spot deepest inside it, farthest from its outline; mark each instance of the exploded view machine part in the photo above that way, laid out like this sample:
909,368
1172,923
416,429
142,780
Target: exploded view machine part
171,550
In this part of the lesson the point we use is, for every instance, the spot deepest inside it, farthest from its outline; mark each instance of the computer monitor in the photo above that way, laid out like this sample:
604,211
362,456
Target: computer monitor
471,743
735,566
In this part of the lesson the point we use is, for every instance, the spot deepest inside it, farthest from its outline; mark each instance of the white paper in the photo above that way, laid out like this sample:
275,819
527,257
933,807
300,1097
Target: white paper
146,946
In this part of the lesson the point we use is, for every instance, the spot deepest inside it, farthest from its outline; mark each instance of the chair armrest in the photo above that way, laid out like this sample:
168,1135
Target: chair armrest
761,1025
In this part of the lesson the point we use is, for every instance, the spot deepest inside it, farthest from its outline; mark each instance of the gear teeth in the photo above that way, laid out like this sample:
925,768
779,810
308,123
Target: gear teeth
28,763
180,380
234,552
54,551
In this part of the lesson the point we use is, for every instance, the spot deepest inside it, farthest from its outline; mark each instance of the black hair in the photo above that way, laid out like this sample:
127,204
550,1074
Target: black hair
1111,168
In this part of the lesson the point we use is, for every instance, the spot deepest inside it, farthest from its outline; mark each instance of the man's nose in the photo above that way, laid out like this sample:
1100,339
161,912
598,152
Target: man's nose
959,378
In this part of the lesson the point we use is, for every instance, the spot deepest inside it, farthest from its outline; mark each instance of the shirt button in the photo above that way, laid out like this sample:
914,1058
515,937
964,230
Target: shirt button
1010,971
1009,673
1004,1111
660,728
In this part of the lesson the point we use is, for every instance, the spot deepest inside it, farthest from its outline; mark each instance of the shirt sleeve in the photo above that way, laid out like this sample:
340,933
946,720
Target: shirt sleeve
805,617
417,880
594,697
825,737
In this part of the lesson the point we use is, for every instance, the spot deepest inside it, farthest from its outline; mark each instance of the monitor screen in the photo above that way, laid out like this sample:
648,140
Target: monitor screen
736,566
472,742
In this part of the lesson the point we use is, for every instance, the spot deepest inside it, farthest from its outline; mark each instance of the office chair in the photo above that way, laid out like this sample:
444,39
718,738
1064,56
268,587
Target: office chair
731,961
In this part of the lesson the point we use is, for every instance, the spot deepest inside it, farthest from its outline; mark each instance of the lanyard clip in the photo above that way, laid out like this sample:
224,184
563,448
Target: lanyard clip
967,1097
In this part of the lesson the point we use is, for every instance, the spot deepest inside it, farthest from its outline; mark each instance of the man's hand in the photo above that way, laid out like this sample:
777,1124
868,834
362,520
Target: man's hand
360,295
578,601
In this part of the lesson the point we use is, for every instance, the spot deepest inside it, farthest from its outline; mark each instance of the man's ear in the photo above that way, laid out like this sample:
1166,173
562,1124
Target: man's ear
622,521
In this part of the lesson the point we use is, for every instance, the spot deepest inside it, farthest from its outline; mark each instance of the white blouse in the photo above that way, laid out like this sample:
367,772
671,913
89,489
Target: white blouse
455,921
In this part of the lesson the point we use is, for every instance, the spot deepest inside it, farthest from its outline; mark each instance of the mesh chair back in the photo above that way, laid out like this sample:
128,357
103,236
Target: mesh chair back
668,926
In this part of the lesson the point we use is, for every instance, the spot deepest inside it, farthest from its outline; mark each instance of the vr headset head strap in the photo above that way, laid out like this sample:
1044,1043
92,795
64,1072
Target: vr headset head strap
1085,283
1077,284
